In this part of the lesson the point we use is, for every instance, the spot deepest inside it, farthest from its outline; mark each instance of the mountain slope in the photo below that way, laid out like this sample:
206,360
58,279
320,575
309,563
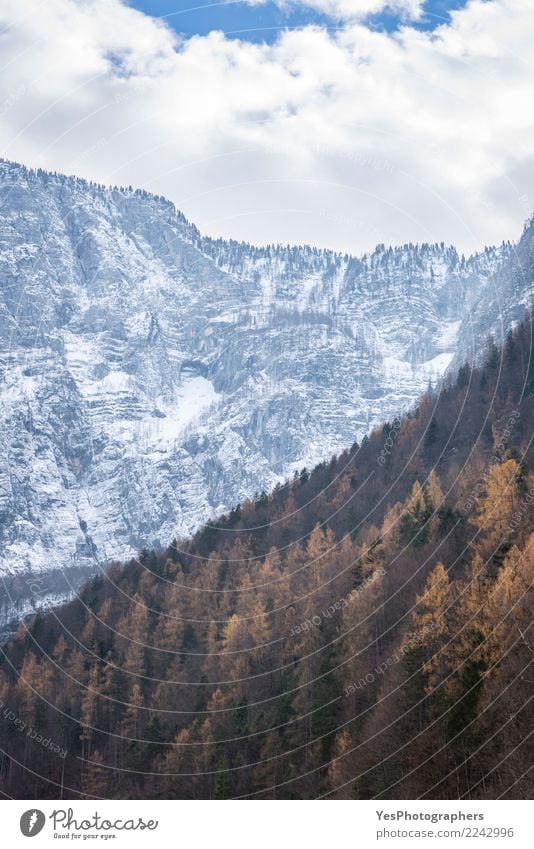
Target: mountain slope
364,631
501,300
151,377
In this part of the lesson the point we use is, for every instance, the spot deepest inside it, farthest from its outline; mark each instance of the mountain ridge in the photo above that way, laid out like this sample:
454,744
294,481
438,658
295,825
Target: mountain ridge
152,377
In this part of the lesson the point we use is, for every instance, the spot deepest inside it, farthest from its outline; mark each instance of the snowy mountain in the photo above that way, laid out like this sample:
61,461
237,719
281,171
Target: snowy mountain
501,300
151,377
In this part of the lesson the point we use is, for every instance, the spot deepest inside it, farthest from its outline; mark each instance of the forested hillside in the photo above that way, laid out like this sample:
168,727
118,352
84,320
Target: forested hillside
363,631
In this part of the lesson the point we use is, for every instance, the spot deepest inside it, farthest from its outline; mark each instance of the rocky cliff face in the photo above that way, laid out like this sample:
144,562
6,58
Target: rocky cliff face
151,377
500,300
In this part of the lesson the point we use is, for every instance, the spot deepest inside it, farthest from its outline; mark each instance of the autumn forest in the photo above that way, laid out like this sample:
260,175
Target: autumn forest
363,631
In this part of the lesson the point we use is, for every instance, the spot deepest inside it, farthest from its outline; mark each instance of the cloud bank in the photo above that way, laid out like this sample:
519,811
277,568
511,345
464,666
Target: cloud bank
341,139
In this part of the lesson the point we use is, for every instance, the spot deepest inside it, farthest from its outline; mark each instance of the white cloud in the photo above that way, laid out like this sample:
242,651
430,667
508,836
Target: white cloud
339,139
350,10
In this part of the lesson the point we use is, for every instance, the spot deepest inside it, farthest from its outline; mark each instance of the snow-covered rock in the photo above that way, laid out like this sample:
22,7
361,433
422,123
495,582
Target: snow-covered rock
151,377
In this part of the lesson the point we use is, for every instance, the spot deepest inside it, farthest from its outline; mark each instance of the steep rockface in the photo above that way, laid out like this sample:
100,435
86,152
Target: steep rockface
151,377
501,300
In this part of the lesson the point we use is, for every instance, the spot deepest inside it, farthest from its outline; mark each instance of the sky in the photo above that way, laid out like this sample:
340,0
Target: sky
339,123
262,21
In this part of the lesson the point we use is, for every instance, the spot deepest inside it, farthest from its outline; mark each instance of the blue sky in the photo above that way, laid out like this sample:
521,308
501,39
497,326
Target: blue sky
261,23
